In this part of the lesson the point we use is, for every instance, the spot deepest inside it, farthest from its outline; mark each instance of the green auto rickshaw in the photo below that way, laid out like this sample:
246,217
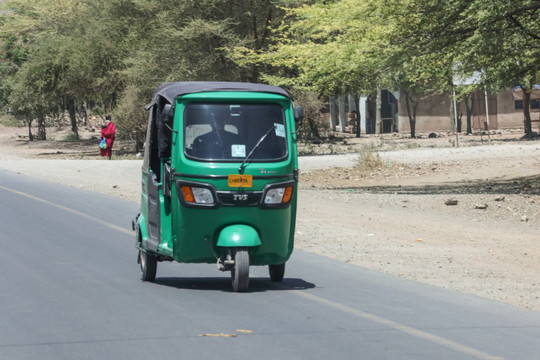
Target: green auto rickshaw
219,178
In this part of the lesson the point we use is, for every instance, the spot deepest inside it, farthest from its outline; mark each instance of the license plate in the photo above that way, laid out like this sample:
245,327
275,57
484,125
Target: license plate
245,181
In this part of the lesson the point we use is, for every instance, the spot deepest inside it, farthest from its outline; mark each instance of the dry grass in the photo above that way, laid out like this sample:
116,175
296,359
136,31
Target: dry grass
369,160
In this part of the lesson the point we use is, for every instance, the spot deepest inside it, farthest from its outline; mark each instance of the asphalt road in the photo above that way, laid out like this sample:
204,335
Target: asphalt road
70,289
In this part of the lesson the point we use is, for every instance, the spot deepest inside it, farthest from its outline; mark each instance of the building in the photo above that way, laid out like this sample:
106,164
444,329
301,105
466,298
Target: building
435,113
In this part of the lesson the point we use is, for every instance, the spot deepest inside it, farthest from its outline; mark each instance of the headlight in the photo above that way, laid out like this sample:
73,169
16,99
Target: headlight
196,195
203,196
280,195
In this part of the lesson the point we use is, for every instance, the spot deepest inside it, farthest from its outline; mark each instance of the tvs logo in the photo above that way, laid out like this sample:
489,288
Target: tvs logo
240,197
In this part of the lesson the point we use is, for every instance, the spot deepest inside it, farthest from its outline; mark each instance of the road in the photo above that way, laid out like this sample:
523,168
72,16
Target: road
71,289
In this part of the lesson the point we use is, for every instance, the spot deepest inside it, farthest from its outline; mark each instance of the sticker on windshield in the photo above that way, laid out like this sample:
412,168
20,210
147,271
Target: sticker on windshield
238,151
280,130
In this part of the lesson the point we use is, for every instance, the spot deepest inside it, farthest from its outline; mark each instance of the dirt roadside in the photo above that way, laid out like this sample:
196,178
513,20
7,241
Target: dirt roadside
392,218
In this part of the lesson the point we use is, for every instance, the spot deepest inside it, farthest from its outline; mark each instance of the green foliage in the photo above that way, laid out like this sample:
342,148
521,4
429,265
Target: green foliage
9,120
70,138
417,46
130,117
326,47
111,54
351,45
498,37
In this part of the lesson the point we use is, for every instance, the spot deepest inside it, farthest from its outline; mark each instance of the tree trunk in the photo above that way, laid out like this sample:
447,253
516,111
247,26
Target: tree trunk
411,113
138,144
469,110
85,113
356,99
459,117
42,134
314,129
29,122
413,120
527,113
378,112
73,118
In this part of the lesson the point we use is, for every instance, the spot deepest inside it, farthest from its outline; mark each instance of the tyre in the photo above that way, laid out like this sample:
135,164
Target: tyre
240,271
277,272
148,266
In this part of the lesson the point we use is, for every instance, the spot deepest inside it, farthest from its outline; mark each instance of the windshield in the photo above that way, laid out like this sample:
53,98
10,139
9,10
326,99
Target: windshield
229,132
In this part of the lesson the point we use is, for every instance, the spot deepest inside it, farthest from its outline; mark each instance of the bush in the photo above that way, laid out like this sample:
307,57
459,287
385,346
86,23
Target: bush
369,160
131,118
70,137
10,120
314,123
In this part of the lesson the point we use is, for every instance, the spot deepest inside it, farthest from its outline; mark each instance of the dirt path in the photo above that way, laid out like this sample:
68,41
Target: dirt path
392,218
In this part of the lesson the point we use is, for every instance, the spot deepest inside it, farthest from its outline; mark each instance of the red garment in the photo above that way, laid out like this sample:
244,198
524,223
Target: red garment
108,132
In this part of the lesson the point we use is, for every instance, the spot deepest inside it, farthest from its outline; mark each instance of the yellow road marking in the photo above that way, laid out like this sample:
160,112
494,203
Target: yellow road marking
364,315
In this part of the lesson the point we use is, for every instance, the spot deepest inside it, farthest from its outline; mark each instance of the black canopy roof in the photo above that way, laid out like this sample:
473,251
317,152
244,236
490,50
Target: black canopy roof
171,90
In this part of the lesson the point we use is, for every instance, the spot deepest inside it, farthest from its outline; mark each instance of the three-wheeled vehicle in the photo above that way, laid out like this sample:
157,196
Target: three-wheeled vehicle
219,178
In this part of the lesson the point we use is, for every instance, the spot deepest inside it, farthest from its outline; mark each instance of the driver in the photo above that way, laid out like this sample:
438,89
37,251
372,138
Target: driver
216,144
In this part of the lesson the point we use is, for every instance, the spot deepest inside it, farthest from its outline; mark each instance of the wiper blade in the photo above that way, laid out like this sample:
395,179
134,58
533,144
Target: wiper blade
243,165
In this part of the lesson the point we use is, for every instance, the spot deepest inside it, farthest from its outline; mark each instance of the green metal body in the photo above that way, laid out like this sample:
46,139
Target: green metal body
238,236
201,235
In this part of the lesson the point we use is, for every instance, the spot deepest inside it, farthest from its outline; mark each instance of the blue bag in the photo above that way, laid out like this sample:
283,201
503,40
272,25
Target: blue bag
103,143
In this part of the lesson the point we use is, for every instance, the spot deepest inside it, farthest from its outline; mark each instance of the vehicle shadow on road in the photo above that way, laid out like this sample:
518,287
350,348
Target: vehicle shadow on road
224,284
529,185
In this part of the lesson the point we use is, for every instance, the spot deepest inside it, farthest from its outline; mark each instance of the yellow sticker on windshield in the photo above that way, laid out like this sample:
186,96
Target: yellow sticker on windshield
240,181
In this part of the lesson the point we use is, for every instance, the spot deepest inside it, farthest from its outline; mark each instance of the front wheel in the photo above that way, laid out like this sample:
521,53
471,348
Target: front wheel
277,272
240,271
148,266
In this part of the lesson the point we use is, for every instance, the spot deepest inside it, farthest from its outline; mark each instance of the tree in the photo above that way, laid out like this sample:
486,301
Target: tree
113,53
190,41
346,46
57,63
312,105
32,93
352,46
497,37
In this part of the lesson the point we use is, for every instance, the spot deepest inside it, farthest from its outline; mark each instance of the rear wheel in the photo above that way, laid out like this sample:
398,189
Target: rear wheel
148,266
240,271
277,272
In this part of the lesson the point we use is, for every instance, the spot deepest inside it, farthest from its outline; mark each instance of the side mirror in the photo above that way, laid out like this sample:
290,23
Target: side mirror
298,115
167,115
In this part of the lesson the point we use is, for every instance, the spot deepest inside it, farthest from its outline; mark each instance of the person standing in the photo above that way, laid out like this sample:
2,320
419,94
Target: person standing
108,130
